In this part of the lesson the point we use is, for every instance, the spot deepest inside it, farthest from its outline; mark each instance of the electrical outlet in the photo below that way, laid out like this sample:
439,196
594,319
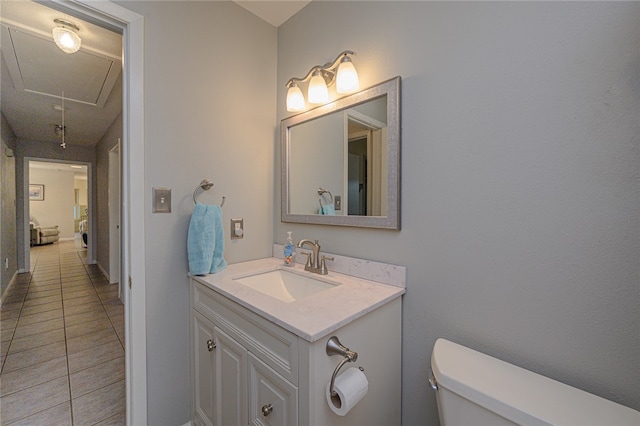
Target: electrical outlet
237,229
338,201
161,200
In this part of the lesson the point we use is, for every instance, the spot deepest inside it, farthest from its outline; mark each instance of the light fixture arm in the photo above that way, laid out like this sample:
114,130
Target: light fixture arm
63,143
65,23
327,71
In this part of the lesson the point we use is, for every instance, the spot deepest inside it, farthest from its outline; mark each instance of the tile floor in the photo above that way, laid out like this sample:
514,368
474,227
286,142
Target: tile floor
62,343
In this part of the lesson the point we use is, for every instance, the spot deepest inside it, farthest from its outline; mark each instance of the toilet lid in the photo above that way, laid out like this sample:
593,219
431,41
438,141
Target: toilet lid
519,395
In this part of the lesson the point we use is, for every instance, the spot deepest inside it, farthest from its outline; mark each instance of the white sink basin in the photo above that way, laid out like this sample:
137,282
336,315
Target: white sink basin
284,285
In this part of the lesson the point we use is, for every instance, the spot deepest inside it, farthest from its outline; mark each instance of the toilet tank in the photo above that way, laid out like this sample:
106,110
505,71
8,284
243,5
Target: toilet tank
476,389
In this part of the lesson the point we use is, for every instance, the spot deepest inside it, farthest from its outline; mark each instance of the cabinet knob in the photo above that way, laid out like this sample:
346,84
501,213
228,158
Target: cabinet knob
267,409
211,345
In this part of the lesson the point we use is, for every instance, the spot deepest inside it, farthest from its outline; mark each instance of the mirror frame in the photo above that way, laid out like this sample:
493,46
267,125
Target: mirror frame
390,88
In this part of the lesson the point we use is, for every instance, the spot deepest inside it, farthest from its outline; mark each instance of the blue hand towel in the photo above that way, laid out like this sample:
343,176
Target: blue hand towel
205,240
328,209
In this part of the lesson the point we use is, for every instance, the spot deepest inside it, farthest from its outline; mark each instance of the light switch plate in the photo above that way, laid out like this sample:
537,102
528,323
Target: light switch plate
161,200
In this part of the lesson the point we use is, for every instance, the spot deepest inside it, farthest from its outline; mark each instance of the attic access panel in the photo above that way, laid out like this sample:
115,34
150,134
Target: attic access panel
36,67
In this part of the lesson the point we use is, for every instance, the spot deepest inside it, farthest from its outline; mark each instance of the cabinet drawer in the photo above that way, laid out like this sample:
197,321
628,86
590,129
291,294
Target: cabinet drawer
274,345
273,401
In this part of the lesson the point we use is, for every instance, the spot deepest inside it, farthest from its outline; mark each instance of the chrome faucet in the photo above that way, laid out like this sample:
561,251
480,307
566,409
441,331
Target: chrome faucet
314,262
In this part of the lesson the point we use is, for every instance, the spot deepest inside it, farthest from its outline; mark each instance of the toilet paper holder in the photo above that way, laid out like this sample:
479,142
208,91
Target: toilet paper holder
334,347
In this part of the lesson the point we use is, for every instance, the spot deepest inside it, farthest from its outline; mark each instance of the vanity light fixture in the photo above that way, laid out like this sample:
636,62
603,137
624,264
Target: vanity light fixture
65,35
295,98
341,71
318,92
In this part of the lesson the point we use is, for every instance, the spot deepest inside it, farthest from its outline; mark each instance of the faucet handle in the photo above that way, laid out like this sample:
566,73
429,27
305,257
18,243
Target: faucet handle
323,265
307,265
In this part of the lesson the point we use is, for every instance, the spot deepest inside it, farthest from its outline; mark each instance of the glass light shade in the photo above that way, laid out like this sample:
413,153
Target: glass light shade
295,99
67,40
318,92
347,77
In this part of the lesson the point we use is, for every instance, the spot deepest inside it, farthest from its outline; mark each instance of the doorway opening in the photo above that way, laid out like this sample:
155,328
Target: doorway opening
132,271
58,204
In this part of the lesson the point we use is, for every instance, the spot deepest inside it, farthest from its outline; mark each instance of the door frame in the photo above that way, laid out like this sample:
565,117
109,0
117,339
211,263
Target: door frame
27,207
114,203
132,271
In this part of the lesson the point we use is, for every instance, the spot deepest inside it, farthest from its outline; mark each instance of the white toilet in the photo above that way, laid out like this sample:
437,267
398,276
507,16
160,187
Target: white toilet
475,389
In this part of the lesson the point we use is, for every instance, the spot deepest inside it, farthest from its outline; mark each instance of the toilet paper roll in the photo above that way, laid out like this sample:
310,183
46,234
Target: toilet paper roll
351,386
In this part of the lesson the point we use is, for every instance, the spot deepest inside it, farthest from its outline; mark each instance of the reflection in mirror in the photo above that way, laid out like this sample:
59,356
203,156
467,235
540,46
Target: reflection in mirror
367,159
341,161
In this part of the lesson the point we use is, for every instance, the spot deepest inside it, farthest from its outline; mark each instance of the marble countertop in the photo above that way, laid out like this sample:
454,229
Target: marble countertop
312,317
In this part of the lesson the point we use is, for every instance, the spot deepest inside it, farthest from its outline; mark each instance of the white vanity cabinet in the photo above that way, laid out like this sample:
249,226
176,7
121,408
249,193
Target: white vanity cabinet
252,368
235,355
220,385
273,400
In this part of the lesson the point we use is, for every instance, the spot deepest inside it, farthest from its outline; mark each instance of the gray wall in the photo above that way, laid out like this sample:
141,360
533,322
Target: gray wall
8,247
209,113
108,141
520,162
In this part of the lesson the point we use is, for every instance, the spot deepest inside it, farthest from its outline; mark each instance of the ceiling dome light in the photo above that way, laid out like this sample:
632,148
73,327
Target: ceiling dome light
65,36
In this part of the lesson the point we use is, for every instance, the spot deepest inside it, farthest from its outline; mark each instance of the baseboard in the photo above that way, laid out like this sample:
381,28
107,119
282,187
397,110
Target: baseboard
104,273
11,282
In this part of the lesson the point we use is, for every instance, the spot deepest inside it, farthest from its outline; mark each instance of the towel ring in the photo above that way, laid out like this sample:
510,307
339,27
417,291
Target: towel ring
206,185
324,191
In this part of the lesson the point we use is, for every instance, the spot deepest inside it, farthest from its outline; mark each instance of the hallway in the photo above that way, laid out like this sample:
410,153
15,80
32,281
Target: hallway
62,343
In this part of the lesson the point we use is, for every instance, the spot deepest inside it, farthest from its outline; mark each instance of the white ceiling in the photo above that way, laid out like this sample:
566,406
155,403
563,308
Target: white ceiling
274,12
35,72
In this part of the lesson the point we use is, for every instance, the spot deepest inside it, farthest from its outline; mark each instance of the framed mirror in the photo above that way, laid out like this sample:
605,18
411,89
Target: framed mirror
341,161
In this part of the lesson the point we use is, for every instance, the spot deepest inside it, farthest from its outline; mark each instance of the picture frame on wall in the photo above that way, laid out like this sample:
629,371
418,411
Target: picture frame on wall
36,192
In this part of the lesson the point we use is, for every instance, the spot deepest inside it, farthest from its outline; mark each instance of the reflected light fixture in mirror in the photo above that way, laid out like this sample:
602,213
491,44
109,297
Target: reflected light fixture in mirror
341,71
65,36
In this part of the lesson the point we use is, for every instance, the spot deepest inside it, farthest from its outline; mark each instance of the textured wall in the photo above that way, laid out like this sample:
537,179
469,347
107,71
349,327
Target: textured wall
8,246
210,72
520,162
109,140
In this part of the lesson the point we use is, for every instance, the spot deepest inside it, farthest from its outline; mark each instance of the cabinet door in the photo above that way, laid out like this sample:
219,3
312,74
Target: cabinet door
273,400
231,381
203,342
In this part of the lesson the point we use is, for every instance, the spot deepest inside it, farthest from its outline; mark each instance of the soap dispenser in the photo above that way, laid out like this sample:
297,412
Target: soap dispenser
289,251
